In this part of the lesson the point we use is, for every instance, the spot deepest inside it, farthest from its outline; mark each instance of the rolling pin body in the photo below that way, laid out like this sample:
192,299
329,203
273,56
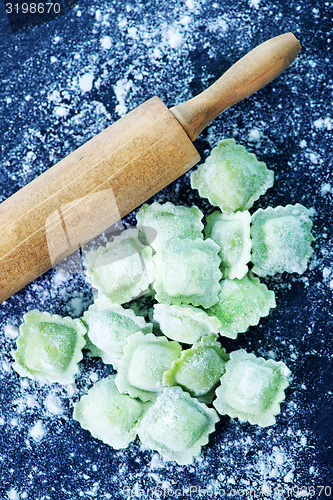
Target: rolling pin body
89,190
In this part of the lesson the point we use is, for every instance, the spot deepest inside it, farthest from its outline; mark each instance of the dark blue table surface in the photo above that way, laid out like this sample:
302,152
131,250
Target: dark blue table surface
66,79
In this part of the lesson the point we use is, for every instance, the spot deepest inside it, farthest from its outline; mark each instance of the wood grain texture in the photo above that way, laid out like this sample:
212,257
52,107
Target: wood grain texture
90,190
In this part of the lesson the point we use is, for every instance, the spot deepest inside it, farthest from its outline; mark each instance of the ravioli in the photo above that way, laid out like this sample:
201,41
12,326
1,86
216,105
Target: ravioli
49,347
108,415
177,426
232,233
231,178
281,239
167,291
109,326
158,223
186,324
121,269
241,304
187,272
146,358
199,369
252,388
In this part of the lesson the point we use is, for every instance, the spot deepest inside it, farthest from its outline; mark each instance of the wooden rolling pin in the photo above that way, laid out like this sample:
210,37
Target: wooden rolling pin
120,168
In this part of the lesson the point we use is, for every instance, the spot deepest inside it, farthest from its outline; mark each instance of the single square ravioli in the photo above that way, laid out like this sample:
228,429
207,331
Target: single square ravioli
198,369
158,223
281,240
109,326
187,272
49,347
241,304
186,324
252,388
145,359
177,426
108,415
121,269
232,178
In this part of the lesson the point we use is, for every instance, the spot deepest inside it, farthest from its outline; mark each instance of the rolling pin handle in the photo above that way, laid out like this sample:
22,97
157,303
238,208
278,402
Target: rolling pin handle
252,72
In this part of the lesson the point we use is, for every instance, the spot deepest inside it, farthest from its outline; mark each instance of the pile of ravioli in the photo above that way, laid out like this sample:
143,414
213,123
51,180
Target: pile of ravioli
173,377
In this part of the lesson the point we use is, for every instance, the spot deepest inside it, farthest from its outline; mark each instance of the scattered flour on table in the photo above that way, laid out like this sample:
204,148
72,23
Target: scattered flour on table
326,188
11,331
322,123
86,82
13,494
53,404
254,3
38,431
254,135
121,89
106,42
